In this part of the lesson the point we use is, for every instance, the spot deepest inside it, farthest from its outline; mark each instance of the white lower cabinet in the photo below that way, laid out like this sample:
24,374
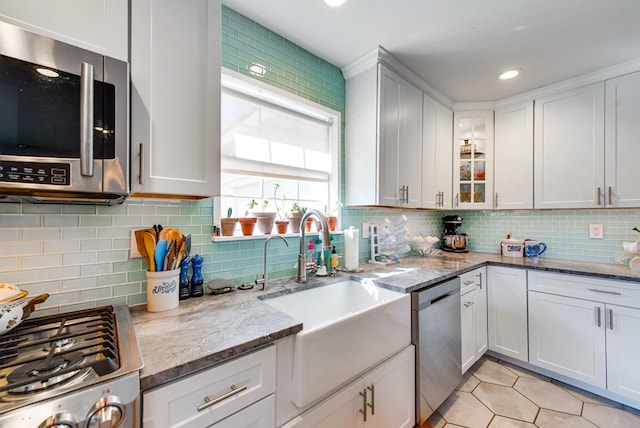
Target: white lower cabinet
473,313
238,393
586,329
383,397
507,311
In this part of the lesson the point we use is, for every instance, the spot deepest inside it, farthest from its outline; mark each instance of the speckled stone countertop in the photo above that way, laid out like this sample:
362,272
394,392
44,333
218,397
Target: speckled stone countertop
204,331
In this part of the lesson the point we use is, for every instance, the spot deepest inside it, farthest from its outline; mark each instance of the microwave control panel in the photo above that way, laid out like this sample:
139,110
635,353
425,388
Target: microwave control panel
57,174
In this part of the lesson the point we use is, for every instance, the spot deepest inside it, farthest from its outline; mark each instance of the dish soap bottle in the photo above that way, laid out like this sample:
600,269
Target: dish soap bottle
197,289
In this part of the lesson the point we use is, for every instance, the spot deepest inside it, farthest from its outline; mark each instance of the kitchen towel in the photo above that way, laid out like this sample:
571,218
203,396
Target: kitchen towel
351,248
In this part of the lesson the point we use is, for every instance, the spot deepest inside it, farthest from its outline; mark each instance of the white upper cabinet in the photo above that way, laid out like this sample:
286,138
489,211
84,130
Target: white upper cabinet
513,170
100,26
175,98
569,149
383,139
437,154
473,159
622,148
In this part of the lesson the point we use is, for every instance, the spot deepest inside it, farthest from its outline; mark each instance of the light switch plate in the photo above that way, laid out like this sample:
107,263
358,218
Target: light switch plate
596,231
365,230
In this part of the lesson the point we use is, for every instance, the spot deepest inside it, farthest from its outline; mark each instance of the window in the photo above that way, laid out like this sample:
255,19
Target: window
270,137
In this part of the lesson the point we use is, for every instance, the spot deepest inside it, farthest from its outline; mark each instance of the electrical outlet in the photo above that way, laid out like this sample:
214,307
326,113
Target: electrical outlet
365,230
596,231
133,250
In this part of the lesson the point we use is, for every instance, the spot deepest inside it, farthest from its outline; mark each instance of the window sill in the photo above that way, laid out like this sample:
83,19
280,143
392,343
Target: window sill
263,237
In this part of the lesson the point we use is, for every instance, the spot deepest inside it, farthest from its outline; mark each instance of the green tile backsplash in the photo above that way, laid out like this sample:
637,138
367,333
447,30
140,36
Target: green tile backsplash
80,254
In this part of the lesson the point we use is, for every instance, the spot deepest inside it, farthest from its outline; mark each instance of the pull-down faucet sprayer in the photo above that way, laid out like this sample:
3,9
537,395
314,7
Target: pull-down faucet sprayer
326,241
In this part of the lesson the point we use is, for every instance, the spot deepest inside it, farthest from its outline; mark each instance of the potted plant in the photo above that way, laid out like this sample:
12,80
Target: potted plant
295,216
228,224
265,219
332,219
248,223
282,222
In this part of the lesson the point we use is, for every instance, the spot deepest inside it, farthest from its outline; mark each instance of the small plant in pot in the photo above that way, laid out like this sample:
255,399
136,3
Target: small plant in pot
228,224
282,222
248,223
295,216
265,219
332,219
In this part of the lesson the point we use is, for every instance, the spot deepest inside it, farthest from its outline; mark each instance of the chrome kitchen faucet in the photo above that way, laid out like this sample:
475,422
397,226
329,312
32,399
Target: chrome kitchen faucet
326,242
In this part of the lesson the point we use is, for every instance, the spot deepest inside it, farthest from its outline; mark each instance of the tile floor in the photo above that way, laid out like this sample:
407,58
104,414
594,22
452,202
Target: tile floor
497,394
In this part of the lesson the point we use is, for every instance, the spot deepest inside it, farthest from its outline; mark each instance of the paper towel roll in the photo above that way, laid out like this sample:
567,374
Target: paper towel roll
351,248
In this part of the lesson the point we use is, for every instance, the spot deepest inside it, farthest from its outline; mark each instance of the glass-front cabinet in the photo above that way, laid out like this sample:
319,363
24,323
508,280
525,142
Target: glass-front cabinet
473,159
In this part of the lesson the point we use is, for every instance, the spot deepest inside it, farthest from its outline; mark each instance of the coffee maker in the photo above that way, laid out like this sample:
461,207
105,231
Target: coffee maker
452,240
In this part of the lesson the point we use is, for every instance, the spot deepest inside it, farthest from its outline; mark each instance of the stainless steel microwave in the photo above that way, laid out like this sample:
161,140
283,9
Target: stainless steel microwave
64,128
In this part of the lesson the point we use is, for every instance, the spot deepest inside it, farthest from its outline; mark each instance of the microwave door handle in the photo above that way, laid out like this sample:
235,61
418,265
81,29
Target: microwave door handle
86,120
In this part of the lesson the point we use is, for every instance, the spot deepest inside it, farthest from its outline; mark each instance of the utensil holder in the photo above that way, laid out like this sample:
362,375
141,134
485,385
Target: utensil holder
162,290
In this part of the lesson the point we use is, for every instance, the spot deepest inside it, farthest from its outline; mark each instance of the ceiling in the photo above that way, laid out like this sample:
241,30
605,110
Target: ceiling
460,46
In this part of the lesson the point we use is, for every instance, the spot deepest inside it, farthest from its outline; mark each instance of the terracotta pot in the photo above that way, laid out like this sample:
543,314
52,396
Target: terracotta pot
294,222
281,226
332,222
307,225
228,226
265,222
247,224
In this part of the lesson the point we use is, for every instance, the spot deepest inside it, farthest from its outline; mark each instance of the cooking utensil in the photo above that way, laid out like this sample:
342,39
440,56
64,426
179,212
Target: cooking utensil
187,246
180,254
165,261
146,242
170,234
159,253
11,315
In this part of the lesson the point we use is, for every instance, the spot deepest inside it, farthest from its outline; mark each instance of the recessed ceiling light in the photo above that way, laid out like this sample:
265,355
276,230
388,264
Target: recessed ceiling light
510,74
335,3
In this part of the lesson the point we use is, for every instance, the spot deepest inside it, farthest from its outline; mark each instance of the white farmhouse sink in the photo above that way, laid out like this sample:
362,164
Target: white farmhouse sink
348,327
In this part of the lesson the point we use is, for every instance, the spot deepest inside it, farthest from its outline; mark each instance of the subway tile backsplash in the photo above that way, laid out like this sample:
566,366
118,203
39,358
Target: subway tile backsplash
80,253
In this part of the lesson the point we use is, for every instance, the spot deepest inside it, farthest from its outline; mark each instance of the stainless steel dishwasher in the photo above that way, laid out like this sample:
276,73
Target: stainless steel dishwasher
435,325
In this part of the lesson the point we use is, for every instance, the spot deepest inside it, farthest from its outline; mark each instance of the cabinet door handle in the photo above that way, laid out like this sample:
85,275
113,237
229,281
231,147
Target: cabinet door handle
496,201
406,194
598,316
610,319
363,394
141,160
596,290
457,200
208,402
372,388
479,275
86,119
610,196
598,197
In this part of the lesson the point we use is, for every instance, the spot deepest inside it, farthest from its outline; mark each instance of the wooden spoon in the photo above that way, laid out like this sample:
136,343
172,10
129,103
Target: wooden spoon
142,247
149,242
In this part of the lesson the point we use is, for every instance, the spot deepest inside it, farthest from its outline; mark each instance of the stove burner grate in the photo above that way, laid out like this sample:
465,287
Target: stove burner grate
43,353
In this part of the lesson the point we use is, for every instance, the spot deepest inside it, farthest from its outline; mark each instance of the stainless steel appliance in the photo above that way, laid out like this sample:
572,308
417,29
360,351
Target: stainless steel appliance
64,131
77,369
435,325
452,240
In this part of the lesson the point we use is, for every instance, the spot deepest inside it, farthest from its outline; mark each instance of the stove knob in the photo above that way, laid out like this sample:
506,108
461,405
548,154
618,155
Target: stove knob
107,412
60,420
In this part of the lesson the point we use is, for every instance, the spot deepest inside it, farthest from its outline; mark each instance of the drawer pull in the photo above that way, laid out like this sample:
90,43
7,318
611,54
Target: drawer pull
469,282
208,402
468,304
596,290
373,399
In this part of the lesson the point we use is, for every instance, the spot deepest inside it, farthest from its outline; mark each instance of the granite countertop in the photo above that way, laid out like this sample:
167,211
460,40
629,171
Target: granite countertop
204,331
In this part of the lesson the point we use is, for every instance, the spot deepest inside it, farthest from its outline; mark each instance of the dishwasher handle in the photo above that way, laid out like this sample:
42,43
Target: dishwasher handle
432,295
